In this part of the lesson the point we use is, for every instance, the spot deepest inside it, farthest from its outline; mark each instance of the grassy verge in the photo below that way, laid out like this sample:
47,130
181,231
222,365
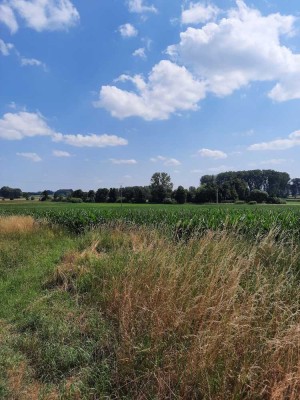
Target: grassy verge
125,313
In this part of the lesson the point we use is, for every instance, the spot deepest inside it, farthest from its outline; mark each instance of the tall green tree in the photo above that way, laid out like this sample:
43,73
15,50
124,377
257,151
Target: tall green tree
295,187
44,195
180,195
112,195
191,193
10,193
78,194
160,187
101,195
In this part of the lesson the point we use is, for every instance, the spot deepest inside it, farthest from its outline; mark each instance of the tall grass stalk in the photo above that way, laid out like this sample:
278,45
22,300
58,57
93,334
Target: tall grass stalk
211,318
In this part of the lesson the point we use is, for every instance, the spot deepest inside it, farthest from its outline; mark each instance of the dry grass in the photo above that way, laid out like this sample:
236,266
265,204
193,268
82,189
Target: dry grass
17,224
214,318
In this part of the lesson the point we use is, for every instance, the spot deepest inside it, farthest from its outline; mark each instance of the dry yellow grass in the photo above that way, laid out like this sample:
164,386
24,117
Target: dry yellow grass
214,318
17,224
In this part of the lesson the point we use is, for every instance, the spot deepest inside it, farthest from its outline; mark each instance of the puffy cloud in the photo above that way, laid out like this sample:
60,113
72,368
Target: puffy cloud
216,154
8,18
5,48
40,15
169,88
127,31
90,140
219,57
140,53
16,126
293,140
128,162
199,13
30,156
243,47
288,89
60,153
166,161
138,6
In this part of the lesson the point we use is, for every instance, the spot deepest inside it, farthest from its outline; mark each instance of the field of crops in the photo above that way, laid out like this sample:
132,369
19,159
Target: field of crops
179,220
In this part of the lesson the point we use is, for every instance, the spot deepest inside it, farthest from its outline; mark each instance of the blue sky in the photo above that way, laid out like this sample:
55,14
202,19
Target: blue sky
103,93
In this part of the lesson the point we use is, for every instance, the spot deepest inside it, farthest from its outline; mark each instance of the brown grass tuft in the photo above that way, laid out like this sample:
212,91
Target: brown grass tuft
17,224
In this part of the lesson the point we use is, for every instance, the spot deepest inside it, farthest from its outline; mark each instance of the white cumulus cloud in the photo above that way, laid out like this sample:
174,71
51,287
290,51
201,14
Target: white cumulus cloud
169,88
243,47
7,17
40,15
216,154
90,140
140,53
139,6
199,13
16,126
128,30
30,156
292,140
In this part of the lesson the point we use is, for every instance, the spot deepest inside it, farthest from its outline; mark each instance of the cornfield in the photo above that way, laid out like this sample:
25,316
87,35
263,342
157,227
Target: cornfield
179,221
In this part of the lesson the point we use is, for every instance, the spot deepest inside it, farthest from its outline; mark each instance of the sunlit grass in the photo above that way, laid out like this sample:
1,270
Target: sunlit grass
126,312
17,224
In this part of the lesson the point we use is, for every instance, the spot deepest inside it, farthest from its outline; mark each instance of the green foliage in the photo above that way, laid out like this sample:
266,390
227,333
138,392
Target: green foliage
75,200
186,219
180,195
160,187
237,184
168,200
112,195
101,195
10,193
44,195
90,315
295,187
275,200
258,195
207,193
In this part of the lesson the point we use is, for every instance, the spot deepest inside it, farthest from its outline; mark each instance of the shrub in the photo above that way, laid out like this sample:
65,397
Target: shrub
258,195
167,200
121,200
275,200
252,202
75,200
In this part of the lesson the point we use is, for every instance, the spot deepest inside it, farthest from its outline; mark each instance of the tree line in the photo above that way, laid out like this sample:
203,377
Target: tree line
252,185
